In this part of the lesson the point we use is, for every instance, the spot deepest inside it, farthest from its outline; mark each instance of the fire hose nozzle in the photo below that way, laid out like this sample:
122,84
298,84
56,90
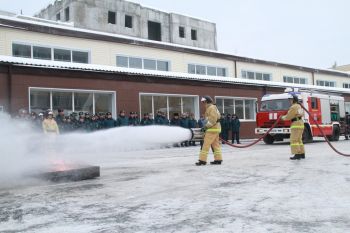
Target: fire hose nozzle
197,134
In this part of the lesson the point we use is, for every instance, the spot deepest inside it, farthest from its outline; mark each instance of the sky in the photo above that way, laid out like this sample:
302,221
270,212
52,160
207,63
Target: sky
312,33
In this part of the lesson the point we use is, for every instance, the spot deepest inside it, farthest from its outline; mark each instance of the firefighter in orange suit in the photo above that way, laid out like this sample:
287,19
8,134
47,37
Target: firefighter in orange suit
50,125
212,129
295,114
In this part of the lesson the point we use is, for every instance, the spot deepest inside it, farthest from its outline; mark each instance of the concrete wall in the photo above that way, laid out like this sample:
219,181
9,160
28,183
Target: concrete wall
93,14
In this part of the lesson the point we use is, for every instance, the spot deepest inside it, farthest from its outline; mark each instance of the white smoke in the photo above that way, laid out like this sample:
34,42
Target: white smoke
24,148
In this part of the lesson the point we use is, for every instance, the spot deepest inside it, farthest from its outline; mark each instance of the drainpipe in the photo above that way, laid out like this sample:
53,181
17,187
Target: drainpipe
235,62
9,87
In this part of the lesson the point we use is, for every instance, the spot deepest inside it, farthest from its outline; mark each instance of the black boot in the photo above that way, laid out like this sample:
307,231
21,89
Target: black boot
200,163
216,162
296,157
302,156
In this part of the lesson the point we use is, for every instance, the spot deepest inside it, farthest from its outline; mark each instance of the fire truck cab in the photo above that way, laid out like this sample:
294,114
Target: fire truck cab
327,110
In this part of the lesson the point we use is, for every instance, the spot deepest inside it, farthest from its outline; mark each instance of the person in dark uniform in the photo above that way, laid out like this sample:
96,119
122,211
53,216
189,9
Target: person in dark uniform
184,123
158,120
225,126
192,123
133,119
175,121
109,122
235,126
165,119
122,120
146,120
60,117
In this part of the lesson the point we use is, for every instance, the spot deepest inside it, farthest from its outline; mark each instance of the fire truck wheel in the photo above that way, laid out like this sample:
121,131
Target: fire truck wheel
268,139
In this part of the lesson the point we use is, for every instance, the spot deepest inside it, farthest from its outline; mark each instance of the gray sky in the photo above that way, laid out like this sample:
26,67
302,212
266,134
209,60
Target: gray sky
301,32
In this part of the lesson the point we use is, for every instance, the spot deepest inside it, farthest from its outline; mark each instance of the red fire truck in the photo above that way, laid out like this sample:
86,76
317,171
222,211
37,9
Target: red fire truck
327,110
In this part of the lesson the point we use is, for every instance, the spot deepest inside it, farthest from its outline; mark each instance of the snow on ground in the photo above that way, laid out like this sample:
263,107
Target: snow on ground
256,190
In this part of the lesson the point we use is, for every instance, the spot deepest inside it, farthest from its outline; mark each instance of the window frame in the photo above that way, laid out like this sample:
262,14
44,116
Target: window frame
196,101
93,92
127,21
234,98
110,19
286,77
247,71
182,31
206,69
67,14
143,63
194,36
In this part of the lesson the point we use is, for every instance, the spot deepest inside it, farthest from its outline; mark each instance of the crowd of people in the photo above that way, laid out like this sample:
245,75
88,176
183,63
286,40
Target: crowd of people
87,122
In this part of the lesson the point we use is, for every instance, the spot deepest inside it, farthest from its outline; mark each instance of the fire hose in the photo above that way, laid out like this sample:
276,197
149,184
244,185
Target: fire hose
196,135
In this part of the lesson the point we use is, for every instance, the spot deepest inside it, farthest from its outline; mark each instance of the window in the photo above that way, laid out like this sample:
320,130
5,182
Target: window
170,104
62,100
314,103
42,99
149,64
325,83
275,105
45,53
297,80
111,17
62,55
135,62
211,70
58,16
255,75
163,65
206,70
193,34
154,31
181,32
245,108
20,50
346,85
122,61
128,21
142,63
200,69
66,13
80,57
41,53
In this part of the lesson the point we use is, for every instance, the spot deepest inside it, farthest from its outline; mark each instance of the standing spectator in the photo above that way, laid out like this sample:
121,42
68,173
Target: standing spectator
122,119
133,119
192,124
165,119
146,120
109,122
49,124
184,123
60,117
175,121
158,120
225,127
235,125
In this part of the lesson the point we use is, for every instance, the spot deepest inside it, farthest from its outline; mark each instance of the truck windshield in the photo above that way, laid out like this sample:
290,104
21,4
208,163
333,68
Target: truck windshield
274,105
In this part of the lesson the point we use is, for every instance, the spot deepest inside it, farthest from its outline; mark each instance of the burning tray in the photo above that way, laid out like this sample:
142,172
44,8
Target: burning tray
69,173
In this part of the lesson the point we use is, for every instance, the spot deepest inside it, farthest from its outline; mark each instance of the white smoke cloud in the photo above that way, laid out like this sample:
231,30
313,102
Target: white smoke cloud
24,149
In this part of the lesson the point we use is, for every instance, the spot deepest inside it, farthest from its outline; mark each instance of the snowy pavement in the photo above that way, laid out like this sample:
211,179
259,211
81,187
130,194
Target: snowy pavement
256,190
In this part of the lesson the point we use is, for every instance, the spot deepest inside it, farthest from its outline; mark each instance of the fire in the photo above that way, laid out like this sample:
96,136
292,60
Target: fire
60,165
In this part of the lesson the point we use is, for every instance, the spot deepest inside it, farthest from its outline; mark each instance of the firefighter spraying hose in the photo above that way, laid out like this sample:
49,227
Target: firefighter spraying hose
198,134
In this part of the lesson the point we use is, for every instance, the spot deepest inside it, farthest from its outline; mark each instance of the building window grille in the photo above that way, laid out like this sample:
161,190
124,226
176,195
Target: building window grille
193,34
128,21
111,17
181,32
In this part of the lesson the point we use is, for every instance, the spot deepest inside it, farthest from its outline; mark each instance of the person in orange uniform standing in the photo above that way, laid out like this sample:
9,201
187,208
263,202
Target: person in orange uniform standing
296,114
212,129
49,125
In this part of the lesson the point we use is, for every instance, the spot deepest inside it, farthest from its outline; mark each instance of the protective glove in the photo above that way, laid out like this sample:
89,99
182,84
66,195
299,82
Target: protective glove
203,129
283,118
